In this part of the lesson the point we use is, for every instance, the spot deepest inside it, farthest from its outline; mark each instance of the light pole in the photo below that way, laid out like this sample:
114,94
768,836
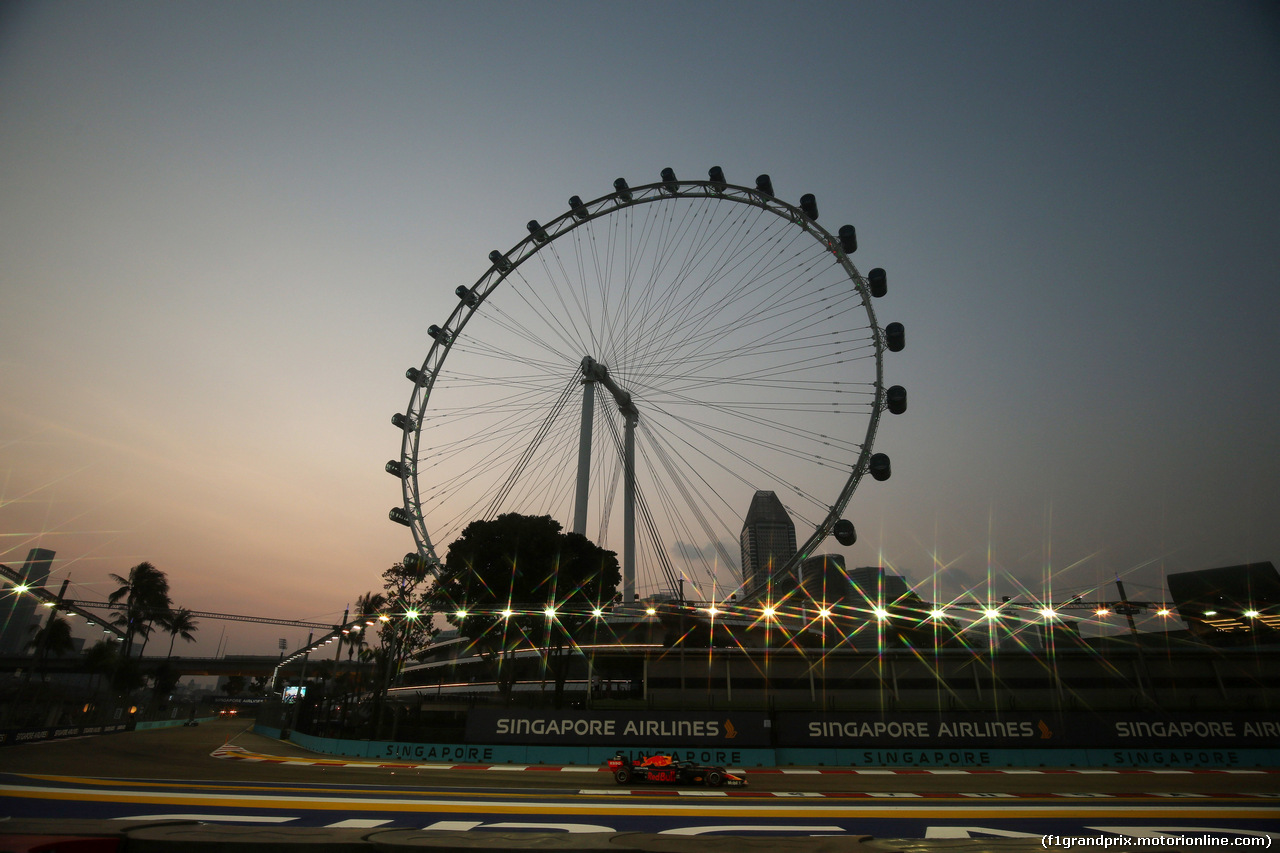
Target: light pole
297,702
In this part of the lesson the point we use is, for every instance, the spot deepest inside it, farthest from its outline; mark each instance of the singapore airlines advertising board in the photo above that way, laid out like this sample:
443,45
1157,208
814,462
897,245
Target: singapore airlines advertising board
586,728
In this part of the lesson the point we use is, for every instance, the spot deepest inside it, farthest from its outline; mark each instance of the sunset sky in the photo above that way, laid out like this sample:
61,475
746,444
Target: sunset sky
226,226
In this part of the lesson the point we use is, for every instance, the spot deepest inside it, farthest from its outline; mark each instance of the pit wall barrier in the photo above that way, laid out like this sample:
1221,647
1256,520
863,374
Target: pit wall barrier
11,737
397,752
168,724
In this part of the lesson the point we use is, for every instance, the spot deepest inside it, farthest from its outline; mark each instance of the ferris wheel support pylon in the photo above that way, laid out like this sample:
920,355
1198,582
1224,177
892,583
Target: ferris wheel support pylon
584,450
593,372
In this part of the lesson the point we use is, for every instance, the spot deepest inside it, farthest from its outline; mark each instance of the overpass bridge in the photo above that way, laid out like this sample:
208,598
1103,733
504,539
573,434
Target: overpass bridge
58,602
246,665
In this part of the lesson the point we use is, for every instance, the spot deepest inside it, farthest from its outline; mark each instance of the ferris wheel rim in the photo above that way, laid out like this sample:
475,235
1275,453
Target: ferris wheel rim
504,265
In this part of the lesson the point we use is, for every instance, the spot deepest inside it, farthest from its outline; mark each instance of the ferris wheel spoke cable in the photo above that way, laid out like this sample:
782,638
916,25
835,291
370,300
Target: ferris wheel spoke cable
787,376
658,546
706,334
742,322
667,296
537,486
532,448
659,298
520,392
556,326
494,426
812,359
769,432
690,348
770,476
699,319
542,356
770,424
551,486
655,539
700,282
678,477
567,332
501,318
758,347
803,392
621,365
606,508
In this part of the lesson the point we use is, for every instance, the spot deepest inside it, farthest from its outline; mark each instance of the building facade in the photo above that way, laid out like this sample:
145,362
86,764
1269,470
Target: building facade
768,540
20,617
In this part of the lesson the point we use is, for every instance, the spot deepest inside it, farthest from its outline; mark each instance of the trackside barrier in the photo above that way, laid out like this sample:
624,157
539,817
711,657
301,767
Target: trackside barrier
10,737
168,724
395,752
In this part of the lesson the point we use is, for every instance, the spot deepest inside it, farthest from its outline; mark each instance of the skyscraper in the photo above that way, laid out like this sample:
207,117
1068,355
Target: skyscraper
20,616
768,540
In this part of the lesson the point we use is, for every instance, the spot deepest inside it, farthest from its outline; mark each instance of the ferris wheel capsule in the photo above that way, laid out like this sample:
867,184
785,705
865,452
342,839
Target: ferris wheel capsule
848,239
879,467
415,562
895,337
809,204
878,281
669,182
896,399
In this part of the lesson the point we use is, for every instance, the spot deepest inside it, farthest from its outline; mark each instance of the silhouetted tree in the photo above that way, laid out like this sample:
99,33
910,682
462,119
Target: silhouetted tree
126,674
145,593
371,604
163,680
101,658
407,603
525,564
179,623
51,638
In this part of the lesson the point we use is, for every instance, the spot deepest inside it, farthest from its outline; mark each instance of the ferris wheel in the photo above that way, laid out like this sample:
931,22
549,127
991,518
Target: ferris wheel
643,364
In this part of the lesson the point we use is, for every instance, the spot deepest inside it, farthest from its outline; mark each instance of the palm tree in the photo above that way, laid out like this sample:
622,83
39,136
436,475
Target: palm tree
370,603
179,624
101,659
52,637
145,593
366,605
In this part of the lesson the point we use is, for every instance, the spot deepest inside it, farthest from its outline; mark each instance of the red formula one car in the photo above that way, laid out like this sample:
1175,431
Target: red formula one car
665,768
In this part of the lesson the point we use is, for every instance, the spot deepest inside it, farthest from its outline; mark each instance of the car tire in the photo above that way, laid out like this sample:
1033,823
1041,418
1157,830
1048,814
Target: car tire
715,777
622,775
